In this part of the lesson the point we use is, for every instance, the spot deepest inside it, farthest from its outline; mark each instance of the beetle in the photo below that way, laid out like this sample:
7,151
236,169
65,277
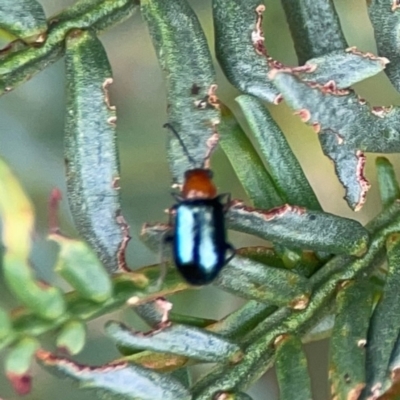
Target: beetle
198,235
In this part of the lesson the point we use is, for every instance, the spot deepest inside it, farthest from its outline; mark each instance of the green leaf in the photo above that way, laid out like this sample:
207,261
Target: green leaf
120,380
253,280
158,311
44,300
349,167
384,326
298,227
184,55
291,369
315,28
71,338
343,113
388,185
182,340
240,49
24,19
91,154
20,357
384,16
344,67
283,166
97,15
235,377
80,267
239,46
341,119
242,320
18,362
248,166
262,254
17,218
154,312
349,337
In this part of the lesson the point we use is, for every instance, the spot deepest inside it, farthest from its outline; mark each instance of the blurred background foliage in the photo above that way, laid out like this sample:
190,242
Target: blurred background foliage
31,141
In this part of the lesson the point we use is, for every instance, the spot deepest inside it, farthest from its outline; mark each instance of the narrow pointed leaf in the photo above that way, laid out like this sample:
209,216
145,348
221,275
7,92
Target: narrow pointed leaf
388,185
184,55
283,166
385,18
233,326
262,254
72,337
18,66
122,381
348,127
17,218
158,312
315,28
182,340
243,320
80,267
301,228
349,167
385,322
249,168
341,111
250,279
90,150
291,369
344,67
162,362
349,337
239,45
24,19
154,312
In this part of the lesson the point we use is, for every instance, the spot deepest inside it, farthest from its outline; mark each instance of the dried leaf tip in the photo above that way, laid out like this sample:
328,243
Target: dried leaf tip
107,82
369,55
363,182
395,5
257,36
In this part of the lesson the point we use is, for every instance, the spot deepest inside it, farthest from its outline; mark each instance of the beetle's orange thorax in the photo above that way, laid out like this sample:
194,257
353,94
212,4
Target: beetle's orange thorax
198,184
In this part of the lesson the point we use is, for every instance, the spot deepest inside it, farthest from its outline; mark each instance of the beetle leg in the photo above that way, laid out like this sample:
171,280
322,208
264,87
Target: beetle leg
225,199
171,214
230,256
166,238
177,197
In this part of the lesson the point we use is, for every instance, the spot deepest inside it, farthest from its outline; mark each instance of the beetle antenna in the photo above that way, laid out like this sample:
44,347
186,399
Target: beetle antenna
172,129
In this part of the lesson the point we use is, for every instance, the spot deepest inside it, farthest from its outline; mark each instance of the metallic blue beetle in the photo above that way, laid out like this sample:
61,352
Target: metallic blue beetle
200,249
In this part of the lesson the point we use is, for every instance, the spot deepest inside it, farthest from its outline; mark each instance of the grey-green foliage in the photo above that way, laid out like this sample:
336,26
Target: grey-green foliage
319,267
